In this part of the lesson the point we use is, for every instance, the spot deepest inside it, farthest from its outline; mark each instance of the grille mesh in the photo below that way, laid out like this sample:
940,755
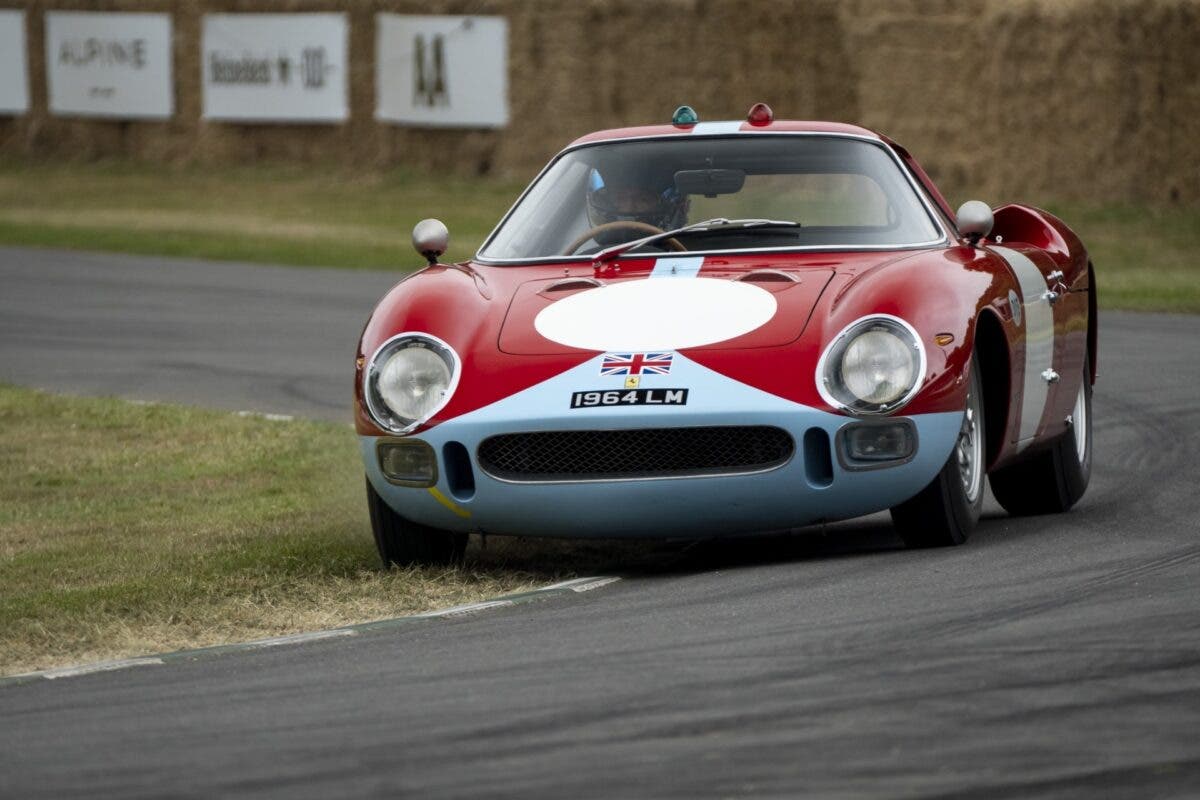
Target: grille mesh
644,453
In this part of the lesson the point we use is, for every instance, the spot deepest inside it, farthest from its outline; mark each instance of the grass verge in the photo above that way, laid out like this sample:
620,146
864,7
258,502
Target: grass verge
277,214
1146,257
128,529
306,216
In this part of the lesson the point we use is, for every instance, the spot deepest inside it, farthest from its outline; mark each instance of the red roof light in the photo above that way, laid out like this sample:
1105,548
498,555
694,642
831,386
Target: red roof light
760,114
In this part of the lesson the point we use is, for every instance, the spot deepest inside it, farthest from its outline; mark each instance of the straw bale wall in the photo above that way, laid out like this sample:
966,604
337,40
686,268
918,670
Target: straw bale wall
1000,99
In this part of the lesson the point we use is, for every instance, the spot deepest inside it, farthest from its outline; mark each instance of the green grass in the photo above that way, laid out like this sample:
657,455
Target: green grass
1147,258
312,216
273,213
128,529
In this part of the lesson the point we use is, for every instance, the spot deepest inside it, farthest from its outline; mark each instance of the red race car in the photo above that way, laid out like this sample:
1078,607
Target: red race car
723,328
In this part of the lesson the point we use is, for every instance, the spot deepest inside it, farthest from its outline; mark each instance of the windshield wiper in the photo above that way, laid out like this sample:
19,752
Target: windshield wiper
714,224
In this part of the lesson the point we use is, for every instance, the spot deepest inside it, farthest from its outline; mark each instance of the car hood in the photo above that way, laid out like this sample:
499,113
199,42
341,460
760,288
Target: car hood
668,303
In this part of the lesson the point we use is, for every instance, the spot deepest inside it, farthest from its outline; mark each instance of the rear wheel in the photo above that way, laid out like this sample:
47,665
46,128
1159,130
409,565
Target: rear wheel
404,542
1055,479
945,512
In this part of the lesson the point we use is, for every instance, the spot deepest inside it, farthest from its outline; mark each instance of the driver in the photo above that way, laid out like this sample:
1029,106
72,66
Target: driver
620,197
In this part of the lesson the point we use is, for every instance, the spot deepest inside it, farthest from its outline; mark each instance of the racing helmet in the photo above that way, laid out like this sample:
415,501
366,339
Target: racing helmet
621,199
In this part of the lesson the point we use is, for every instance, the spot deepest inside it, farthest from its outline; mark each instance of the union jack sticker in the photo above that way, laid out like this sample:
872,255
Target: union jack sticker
637,364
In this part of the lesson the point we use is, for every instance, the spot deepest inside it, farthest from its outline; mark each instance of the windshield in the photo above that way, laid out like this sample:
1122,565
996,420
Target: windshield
822,191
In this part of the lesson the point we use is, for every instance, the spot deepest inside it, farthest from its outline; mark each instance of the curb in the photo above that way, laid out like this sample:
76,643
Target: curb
575,586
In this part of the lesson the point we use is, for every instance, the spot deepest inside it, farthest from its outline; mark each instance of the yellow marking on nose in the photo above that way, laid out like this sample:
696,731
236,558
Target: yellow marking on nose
448,503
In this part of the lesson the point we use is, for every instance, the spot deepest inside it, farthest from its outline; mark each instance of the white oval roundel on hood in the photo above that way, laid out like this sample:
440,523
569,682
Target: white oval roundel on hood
656,314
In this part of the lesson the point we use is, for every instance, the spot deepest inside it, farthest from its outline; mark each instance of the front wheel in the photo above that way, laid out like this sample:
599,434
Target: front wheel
403,542
945,512
1055,479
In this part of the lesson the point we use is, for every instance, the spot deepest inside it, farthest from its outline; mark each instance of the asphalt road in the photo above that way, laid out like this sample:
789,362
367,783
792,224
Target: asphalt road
1049,657
204,333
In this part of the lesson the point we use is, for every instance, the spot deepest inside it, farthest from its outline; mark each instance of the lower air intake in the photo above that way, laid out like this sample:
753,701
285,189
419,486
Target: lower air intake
554,456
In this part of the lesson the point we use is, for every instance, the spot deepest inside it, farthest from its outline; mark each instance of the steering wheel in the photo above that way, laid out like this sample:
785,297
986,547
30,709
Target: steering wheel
630,225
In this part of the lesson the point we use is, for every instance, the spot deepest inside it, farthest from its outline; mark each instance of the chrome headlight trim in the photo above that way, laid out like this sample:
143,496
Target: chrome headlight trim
379,410
830,363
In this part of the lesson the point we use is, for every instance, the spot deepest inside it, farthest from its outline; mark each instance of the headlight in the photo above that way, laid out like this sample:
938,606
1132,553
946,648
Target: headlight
409,379
874,366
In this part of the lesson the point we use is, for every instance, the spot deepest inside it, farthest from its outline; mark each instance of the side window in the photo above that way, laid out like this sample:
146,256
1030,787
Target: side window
553,209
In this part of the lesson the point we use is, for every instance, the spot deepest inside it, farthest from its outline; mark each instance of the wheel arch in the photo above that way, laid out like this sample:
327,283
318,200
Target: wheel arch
1093,336
991,348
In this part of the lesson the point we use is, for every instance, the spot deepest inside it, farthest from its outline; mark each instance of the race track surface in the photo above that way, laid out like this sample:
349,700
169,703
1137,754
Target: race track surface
204,333
1049,657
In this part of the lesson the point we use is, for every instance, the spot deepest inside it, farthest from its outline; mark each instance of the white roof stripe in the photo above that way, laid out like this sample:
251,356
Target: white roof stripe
707,128
675,267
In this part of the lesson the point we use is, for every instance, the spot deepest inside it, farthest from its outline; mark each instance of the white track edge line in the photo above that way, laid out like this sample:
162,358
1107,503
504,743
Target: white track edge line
299,638
265,415
469,608
594,584
573,583
88,669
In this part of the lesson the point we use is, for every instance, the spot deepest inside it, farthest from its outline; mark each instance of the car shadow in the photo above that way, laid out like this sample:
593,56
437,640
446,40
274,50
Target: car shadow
560,559
563,558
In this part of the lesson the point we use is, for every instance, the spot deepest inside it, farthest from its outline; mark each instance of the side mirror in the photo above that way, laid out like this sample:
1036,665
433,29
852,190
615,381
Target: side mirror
974,221
431,238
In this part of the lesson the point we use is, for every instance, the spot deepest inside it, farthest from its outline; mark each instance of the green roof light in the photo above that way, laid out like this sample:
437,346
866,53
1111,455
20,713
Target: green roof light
685,115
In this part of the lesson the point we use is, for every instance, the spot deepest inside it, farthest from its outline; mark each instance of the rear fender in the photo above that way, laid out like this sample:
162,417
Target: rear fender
1017,223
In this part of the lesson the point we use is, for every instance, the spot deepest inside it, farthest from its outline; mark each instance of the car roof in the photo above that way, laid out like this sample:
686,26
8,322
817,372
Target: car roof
727,127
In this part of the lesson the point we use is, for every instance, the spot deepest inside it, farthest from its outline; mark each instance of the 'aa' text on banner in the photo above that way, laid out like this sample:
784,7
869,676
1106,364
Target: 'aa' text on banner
441,71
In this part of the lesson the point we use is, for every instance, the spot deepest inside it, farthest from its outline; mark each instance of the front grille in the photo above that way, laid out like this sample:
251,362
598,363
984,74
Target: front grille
645,453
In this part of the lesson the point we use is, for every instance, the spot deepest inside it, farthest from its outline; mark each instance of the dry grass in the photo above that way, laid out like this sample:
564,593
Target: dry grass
131,529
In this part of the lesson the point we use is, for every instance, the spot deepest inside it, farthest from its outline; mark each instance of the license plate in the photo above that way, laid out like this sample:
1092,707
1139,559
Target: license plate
629,397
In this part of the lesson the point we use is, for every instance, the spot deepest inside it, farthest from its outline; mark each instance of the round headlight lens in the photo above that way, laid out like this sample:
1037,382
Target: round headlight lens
872,367
413,381
410,378
878,367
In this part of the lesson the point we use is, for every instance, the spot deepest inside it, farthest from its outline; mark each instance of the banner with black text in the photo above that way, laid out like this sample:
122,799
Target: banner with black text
441,71
275,67
109,65
14,80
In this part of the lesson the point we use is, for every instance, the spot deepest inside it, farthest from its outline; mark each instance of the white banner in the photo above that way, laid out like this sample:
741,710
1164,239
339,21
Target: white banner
109,65
14,83
275,67
442,71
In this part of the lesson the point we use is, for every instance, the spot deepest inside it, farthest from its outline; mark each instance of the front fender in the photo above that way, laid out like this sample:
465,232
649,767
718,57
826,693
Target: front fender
941,294
445,301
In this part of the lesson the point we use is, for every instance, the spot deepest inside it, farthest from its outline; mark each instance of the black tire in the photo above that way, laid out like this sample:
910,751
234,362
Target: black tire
1053,480
945,512
403,542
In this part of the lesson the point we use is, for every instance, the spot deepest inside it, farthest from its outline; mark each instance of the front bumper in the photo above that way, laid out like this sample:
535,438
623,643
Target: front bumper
787,496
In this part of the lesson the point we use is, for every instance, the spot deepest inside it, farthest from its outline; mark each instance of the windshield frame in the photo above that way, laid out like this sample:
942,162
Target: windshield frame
934,217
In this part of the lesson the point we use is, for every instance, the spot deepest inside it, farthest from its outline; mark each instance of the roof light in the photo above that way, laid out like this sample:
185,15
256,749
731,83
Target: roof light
760,114
685,115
